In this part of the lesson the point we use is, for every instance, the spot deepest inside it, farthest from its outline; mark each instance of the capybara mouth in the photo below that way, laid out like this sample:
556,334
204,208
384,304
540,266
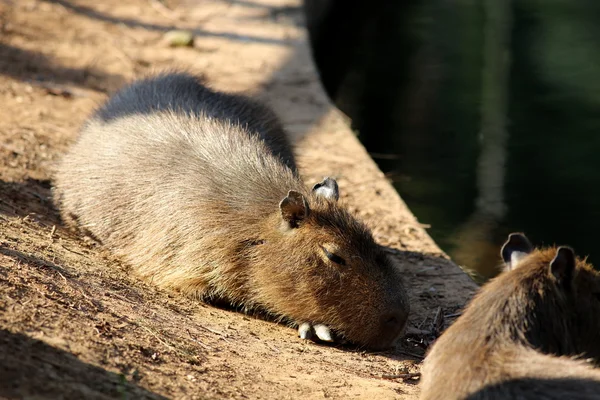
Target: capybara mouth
384,343
391,328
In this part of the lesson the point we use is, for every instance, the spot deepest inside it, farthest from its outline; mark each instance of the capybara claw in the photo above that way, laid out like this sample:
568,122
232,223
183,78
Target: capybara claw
308,331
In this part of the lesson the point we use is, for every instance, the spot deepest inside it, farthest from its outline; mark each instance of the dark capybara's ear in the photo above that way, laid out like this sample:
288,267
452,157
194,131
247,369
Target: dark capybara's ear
328,189
515,249
294,209
562,267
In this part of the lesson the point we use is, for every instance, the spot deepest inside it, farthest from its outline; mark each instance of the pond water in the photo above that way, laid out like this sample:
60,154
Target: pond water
484,114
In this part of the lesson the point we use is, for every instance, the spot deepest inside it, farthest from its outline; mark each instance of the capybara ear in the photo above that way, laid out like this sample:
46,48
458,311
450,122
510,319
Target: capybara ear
562,267
294,209
515,249
328,189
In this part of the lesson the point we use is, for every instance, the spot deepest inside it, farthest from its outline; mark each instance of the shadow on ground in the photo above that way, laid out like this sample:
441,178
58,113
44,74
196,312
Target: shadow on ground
35,67
134,23
31,198
31,368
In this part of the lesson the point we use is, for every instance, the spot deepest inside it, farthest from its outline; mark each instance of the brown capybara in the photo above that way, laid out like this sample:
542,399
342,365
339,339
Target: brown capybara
527,334
198,190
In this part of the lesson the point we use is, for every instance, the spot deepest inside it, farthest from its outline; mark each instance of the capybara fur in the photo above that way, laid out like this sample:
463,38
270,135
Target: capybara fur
198,190
533,332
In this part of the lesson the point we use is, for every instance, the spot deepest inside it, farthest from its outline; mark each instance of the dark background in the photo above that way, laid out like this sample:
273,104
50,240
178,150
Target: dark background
485,114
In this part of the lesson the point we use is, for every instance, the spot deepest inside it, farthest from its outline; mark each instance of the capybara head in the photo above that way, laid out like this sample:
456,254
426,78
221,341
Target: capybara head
560,294
329,270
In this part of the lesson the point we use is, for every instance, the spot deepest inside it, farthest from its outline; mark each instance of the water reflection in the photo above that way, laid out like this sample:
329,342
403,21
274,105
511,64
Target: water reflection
485,114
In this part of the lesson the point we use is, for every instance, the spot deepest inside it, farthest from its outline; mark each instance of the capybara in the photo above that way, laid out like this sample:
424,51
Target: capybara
199,191
528,334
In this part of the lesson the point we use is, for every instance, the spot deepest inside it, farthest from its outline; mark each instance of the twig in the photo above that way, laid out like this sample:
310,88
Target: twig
410,375
275,349
166,344
52,231
213,331
411,331
437,320
121,297
422,323
207,347
61,275
408,353
72,251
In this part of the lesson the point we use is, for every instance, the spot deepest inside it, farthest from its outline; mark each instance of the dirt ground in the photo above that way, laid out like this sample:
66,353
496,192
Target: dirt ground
74,322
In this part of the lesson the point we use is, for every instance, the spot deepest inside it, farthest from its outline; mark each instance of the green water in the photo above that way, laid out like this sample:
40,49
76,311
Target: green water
485,114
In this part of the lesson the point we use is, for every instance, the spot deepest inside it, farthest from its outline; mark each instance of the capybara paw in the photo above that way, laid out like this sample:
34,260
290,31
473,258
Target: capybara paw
308,331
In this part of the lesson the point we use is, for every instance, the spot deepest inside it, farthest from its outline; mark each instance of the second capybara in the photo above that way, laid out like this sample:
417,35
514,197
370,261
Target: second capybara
199,191
530,333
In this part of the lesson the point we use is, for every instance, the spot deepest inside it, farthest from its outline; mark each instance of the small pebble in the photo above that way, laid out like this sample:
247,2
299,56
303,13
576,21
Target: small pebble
179,38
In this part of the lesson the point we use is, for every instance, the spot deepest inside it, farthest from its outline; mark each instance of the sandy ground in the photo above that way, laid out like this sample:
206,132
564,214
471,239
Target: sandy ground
74,322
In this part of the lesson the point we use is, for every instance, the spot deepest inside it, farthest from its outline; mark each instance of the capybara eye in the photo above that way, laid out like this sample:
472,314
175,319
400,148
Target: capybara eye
333,257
